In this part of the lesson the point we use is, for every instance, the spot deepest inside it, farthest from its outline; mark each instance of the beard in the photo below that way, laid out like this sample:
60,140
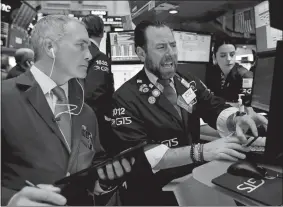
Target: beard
159,71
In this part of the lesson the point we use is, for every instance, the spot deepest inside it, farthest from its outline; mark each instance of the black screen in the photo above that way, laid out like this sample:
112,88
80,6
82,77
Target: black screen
262,83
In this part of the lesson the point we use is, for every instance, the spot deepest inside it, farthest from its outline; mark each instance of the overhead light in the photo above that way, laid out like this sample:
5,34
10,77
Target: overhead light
174,11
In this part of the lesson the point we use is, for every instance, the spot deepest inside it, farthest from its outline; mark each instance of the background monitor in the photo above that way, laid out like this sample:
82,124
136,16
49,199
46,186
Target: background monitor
122,73
266,36
193,47
262,83
122,47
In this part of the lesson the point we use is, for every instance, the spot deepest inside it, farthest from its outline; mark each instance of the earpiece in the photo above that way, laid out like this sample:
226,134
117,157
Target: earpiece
52,51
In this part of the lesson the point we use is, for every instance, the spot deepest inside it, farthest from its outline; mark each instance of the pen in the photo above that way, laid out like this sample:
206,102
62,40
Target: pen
30,184
249,144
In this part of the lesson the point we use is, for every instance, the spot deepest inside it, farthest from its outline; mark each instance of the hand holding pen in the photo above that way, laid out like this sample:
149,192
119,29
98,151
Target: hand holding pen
37,195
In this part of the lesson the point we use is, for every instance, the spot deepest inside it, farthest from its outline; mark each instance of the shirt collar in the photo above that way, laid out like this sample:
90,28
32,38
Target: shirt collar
94,42
152,78
46,84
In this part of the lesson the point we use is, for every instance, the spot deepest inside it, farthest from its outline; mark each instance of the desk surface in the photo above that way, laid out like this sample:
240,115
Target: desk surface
205,173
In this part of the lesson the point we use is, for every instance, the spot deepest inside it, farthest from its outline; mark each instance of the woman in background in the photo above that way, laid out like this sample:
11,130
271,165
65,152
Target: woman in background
225,77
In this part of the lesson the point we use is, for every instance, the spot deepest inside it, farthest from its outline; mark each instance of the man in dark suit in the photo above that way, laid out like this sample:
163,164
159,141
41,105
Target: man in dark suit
164,106
99,83
24,58
48,132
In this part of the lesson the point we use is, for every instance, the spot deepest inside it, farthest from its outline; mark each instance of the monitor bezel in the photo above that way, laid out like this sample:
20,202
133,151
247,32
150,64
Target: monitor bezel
108,50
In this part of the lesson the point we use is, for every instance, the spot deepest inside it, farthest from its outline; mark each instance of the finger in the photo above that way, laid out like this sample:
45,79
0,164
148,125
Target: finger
118,169
240,134
238,147
232,140
36,194
110,172
126,165
234,153
27,202
252,126
263,121
133,160
101,174
227,157
49,187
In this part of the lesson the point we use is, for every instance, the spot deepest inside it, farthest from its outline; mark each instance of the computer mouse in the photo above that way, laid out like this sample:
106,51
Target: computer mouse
246,169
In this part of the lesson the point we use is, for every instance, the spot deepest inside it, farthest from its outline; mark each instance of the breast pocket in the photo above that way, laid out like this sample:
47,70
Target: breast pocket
86,153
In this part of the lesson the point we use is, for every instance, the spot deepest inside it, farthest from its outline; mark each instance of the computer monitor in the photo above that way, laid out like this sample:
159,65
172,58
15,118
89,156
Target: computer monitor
266,36
122,47
193,47
262,83
274,140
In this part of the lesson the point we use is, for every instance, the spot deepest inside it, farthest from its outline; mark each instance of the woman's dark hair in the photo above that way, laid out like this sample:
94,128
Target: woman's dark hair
94,25
140,37
220,42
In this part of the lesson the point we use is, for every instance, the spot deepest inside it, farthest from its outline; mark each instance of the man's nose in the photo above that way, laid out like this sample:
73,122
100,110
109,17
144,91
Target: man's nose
88,55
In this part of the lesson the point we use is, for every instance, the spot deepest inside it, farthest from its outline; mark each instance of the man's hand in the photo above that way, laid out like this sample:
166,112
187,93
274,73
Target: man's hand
44,195
115,170
251,120
228,148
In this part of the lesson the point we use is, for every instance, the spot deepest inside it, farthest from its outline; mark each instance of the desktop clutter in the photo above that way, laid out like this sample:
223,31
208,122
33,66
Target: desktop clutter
250,180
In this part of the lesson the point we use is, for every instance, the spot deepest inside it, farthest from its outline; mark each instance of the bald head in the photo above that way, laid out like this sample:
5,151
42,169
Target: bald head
24,57
24,54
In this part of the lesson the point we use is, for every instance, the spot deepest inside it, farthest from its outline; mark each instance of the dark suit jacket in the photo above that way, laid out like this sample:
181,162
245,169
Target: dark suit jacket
99,88
15,71
32,146
233,84
136,117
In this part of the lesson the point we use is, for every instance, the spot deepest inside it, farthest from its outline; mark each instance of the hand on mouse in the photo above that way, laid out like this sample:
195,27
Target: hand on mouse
228,148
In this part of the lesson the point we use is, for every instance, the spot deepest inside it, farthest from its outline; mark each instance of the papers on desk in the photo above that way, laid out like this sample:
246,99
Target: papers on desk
202,123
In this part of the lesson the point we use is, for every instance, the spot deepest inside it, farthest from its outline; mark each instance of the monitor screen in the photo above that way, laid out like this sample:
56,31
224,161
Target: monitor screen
123,73
123,47
266,36
263,83
193,47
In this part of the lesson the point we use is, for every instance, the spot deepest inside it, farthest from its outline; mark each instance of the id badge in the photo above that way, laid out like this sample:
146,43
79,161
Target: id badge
247,83
189,96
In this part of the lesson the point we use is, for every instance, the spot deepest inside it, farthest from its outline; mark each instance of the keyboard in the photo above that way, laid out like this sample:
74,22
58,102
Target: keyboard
257,148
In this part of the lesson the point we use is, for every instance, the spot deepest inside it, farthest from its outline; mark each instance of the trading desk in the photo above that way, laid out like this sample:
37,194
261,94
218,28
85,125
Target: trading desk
207,172
190,192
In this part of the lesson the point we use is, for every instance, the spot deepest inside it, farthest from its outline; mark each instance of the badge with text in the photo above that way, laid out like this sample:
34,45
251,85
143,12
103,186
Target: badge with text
247,83
181,102
189,95
88,135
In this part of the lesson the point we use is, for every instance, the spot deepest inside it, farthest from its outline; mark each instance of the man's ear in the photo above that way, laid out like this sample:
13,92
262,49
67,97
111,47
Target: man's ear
141,53
48,45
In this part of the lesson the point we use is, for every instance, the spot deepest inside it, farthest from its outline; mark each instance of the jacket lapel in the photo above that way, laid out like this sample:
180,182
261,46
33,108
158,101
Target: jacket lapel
75,99
37,99
161,101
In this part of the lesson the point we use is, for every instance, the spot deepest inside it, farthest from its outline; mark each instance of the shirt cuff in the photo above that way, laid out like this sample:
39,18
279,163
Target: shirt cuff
99,191
155,154
222,126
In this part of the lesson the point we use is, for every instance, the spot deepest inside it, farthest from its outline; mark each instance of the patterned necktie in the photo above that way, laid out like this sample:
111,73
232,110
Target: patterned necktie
170,94
64,122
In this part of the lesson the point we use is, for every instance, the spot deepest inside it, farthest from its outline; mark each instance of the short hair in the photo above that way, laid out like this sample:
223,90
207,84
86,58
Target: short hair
23,54
51,26
140,37
94,25
221,41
